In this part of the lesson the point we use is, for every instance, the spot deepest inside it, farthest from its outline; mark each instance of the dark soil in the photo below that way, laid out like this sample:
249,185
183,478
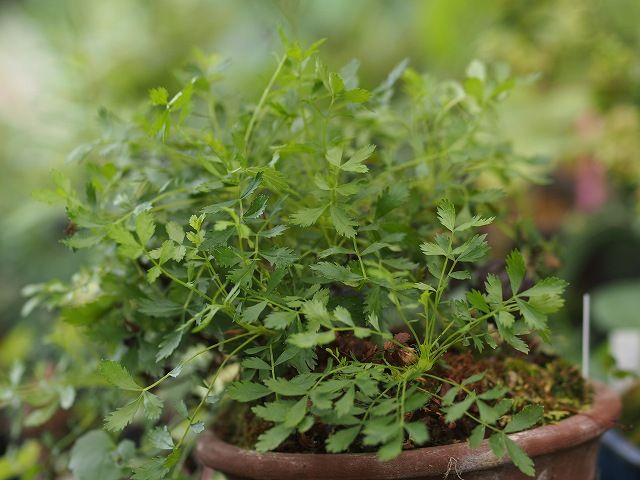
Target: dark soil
537,378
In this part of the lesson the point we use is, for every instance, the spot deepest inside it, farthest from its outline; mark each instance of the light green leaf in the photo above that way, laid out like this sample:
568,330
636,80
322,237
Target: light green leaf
153,469
342,223
273,411
311,339
123,416
273,437
345,404
145,227
334,156
392,448
532,317
515,270
307,216
417,432
526,418
296,386
251,314
550,286
476,437
354,164
447,214
342,315
296,413
117,375
255,363
247,391
279,320
519,458
161,439
336,273
496,442
152,405
282,256
158,96
340,440
494,289
457,410
357,95
175,232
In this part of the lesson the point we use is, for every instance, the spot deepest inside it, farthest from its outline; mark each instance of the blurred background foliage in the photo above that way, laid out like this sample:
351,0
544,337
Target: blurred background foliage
62,60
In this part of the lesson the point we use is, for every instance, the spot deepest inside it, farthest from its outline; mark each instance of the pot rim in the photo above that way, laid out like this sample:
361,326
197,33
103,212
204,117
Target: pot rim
438,460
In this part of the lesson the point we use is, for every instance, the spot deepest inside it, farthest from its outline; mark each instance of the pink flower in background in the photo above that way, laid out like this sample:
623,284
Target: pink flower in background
591,185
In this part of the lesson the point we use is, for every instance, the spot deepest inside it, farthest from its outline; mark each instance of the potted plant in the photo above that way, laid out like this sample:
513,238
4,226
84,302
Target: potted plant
308,271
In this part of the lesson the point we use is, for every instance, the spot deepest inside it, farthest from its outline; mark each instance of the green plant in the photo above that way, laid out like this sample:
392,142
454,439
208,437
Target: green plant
253,252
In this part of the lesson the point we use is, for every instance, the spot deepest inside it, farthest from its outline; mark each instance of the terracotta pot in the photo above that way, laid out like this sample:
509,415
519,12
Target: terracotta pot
564,451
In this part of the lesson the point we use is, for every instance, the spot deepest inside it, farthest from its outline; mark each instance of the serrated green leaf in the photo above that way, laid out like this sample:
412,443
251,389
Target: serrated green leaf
342,223
257,206
158,96
532,317
494,289
457,410
519,458
152,405
496,442
153,469
251,314
296,413
273,411
279,257
432,249
343,316
123,416
252,186
392,448
273,437
340,440
447,214
334,156
245,391
161,439
279,320
474,378
311,339
476,221
175,232
515,270
296,386
307,216
273,232
145,227
354,164
526,418
393,197
336,273
476,437
506,319
357,95
345,404
255,363
417,432
550,286
168,345
118,376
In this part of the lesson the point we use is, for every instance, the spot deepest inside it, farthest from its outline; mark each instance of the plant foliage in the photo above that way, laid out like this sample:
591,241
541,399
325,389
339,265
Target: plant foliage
235,243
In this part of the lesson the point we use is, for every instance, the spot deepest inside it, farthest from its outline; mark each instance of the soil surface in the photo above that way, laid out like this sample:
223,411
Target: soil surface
537,378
